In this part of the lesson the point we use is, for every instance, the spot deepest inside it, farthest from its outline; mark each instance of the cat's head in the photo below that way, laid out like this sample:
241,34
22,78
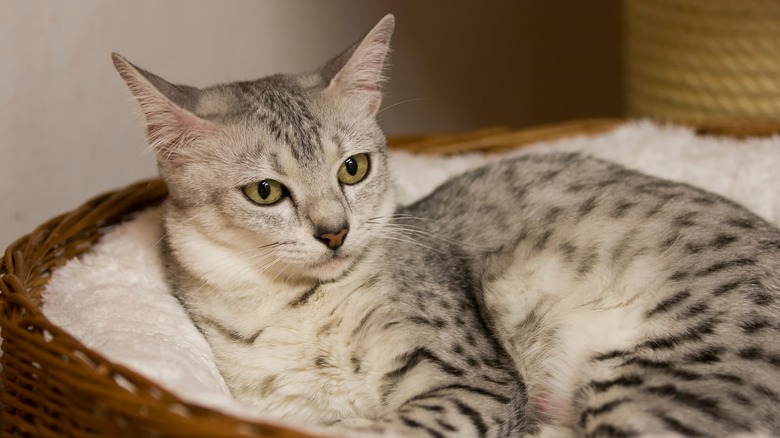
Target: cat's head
282,174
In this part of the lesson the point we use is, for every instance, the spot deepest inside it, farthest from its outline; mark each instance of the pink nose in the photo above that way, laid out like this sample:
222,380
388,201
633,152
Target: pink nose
333,240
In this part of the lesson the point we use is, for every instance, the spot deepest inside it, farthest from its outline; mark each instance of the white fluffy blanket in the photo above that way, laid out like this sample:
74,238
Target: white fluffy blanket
115,299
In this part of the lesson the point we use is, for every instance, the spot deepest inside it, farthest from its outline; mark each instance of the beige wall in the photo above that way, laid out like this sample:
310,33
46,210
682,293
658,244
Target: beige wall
69,129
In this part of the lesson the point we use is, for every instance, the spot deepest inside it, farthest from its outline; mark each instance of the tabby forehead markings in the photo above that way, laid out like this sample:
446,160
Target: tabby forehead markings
276,164
286,113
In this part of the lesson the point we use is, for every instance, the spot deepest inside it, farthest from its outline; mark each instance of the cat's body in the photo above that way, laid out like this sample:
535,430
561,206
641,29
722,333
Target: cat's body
554,295
628,303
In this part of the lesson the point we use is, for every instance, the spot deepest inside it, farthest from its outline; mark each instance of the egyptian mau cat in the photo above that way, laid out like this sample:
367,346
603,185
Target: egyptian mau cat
549,295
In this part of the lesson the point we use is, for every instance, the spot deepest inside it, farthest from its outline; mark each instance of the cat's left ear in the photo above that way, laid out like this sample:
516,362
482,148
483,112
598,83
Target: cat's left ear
357,72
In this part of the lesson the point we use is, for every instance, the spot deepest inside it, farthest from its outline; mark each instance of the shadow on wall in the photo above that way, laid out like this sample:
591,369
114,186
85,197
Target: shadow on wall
516,63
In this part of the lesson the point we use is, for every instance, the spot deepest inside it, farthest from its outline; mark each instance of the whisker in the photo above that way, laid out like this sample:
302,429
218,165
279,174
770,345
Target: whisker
272,244
416,99
423,232
406,238
402,216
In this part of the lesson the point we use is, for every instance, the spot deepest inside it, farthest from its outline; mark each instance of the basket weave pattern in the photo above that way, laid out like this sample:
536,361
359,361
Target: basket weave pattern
703,59
54,386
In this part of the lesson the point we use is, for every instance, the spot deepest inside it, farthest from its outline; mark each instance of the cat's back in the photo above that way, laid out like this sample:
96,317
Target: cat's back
595,273
591,212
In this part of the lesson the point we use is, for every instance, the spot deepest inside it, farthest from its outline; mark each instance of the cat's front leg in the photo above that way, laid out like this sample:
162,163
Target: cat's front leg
451,411
466,409
433,393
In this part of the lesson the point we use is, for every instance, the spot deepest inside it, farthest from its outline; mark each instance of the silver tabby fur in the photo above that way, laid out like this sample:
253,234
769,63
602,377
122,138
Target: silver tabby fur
553,295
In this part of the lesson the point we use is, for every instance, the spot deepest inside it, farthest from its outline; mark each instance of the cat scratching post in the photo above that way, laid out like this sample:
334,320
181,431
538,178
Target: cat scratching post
702,60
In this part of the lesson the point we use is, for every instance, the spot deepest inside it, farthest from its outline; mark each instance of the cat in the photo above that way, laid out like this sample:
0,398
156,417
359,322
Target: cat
546,295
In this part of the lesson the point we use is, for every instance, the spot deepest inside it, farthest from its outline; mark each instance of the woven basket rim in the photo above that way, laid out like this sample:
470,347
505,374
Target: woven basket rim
43,365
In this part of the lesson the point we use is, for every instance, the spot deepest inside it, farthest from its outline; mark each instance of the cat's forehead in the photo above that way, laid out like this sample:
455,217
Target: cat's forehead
286,108
243,99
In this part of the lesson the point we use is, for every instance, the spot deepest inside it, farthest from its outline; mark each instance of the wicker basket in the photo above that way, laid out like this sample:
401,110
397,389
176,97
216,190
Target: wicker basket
54,386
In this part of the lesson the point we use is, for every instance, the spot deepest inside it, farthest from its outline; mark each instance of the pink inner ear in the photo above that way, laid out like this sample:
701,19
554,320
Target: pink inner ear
374,102
172,129
190,122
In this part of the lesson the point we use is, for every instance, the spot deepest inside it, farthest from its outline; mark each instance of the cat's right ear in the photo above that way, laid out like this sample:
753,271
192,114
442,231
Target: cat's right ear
171,125
357,72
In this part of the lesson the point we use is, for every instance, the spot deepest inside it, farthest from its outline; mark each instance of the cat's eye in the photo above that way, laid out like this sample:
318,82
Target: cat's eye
265,192
353,169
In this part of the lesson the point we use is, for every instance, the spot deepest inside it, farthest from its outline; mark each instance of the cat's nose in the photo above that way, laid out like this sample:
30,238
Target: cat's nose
332,239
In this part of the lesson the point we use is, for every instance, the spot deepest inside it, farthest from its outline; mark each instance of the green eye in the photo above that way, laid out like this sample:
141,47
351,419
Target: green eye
353,169
265,192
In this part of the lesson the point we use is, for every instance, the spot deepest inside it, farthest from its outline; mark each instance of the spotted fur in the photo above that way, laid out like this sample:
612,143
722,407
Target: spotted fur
628,308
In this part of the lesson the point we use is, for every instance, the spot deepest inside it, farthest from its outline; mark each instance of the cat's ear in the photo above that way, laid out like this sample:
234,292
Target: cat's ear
171,124
357,72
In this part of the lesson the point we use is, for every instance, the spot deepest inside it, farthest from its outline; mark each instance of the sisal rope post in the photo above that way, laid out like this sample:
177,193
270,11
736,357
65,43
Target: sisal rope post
702,60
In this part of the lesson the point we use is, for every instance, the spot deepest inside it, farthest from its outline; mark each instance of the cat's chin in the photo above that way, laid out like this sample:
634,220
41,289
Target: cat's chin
330,268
